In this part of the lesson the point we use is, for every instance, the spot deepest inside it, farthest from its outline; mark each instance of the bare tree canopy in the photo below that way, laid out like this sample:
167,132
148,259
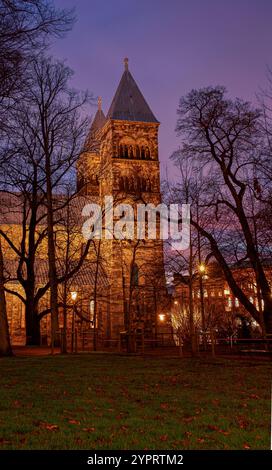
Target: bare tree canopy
25,27
222,140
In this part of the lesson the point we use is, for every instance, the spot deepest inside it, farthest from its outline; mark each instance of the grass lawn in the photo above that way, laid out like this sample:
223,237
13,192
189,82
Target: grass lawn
101,401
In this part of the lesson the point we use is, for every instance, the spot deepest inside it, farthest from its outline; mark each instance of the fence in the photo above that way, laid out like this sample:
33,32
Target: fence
83,341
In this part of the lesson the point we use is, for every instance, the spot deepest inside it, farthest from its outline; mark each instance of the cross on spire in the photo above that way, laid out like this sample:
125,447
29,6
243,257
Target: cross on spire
126,63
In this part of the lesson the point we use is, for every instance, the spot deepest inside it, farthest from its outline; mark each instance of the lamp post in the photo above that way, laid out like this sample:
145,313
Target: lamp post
73,297
202,270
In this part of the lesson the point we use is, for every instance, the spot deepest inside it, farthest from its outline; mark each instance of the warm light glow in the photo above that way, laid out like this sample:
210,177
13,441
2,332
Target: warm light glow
176,302
74,295
202,268
161,317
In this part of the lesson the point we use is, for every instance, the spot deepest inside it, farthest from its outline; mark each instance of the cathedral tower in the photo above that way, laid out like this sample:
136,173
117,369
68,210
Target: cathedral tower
121,160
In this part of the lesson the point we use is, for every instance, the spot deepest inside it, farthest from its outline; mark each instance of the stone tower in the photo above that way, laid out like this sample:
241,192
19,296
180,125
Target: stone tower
121,160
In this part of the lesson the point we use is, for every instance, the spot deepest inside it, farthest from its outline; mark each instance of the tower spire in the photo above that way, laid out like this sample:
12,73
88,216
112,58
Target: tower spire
128,103
99,103
126,63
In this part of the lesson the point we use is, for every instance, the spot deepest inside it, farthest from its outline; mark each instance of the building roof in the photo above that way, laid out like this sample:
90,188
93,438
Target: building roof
12,206
85,276
128,103
92,143
98,121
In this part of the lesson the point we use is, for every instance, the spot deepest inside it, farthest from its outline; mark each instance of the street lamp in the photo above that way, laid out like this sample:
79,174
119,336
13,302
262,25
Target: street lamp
161,317
202,270
73,297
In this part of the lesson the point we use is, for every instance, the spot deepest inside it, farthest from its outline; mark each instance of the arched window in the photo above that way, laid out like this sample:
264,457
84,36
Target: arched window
138,152
121,183
142,152
138,183
121,150
126,183
131,184
147,152
126,151
131,155
135,275
143,184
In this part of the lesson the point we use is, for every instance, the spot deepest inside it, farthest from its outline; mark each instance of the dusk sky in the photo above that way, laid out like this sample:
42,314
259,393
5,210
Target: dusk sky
172,46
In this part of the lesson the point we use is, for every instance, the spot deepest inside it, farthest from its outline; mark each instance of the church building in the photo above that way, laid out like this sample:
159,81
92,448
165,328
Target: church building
119,159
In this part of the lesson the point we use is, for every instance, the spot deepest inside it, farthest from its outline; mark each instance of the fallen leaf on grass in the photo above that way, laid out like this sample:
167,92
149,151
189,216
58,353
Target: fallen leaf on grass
189,419
164,406
215,402
4,441
124,428
73,421
243,422
164,437
225,433
211,427
88,429
47,426
17,404
246,446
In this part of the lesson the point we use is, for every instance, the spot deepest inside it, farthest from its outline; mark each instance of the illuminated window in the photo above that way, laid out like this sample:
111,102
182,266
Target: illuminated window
22,313
229,304
226,292
92,313
251,300
236,303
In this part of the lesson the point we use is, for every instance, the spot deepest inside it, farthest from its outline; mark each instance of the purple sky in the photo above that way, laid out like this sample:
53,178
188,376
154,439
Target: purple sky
173,46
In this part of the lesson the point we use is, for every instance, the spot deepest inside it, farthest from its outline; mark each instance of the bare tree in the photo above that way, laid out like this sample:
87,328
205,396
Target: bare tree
223,139
5,346
46,140
25,28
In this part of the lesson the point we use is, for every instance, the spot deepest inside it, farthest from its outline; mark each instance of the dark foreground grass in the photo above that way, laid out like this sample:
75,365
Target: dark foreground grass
101,401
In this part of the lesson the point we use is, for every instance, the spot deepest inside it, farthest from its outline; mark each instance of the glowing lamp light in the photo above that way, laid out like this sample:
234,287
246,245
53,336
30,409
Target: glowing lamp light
176,302
162,317
202,268
74,295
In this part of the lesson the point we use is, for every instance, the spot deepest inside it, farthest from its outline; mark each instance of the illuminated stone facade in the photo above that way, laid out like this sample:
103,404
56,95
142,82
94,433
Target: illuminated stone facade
121,160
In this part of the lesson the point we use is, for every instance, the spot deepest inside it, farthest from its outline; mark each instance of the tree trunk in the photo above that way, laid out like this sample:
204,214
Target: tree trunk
5,346
51,255
95,296
191,304
33,336
64,337
267,317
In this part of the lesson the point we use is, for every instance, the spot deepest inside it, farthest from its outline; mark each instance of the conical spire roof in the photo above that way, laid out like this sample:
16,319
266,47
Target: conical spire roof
99,119
128,103
91,143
